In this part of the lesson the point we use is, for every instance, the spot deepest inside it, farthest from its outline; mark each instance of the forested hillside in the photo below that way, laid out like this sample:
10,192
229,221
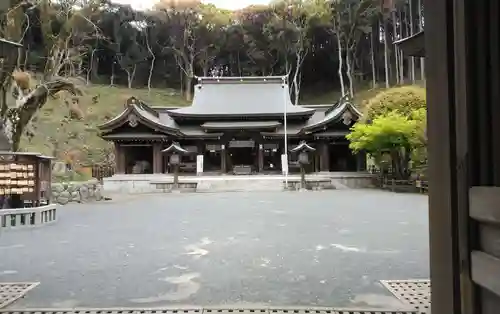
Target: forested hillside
326,47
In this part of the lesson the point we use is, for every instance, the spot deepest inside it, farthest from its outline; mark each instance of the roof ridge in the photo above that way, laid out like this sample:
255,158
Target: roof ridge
241,79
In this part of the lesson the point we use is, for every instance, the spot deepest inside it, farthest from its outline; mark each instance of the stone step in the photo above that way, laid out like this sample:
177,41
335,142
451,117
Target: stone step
239,185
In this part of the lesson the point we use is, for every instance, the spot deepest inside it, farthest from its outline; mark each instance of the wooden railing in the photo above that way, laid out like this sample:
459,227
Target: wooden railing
27,217
420,186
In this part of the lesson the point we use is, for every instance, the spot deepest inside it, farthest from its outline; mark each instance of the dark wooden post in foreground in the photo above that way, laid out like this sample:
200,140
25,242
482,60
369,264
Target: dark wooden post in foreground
175,151
303,149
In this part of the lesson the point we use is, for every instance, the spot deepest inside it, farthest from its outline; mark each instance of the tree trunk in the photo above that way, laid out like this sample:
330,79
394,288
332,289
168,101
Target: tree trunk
421,28
372,53
150,76
395,47
412,60
349,70
91,67
4,141
151,68
131,76
400,55
187,88
386,55
112,78
341,64
129,79
300,56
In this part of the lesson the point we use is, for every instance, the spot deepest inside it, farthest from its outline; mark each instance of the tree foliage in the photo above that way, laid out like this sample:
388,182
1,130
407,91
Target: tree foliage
316,43
404,99
106,42
394,127
392,131
17,111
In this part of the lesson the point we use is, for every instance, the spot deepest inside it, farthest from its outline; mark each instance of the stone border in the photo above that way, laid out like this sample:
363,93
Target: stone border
27,217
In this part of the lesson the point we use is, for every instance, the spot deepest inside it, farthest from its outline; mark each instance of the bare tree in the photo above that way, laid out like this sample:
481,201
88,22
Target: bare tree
153,58
337,29
372,55
66,45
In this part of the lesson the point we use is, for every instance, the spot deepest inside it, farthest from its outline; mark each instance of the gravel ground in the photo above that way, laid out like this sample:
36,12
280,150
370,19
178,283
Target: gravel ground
325,248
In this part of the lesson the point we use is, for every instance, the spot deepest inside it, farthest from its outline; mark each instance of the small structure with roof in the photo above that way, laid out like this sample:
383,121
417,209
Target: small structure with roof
234,122
414,45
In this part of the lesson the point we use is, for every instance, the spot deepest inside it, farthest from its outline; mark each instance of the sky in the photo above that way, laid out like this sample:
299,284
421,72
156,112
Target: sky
226,4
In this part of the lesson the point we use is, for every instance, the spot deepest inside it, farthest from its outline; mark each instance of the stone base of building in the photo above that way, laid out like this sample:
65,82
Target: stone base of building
163,183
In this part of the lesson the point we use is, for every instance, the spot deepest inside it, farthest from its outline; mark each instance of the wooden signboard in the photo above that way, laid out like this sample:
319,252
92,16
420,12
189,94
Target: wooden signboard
25,177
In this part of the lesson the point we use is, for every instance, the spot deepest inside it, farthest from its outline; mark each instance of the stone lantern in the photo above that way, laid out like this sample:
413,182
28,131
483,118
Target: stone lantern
303,150
175,152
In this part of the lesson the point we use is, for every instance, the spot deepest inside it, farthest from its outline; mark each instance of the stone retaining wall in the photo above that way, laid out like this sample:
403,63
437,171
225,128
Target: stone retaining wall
77,192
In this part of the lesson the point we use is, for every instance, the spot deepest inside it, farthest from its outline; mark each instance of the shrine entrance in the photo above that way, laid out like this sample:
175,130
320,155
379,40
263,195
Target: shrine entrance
242,156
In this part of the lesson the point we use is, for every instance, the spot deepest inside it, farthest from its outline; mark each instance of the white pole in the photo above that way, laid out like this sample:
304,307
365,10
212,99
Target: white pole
285,98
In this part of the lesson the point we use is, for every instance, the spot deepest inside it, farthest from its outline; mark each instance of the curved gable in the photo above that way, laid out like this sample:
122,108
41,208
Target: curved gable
345,111
135,113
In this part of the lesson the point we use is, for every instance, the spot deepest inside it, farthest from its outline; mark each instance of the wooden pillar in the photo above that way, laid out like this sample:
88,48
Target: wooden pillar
201,148
260,156
445,260
324,158
157,158
119,158
223,159
316,162
361,161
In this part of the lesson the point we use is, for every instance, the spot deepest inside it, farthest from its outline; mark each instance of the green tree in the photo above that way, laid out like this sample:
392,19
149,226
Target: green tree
403,99
419,155
392,135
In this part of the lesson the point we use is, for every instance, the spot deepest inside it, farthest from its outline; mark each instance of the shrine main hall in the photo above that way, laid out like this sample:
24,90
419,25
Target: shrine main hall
233,122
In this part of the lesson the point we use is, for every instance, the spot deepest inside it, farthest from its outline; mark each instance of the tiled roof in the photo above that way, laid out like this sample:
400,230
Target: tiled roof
253,125
246,97
233,103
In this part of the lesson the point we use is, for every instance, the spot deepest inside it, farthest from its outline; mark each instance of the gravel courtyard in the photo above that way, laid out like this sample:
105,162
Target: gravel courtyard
327,248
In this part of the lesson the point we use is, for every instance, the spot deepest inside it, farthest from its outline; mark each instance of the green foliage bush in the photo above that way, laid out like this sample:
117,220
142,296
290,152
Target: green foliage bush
394,127
392,131
404,99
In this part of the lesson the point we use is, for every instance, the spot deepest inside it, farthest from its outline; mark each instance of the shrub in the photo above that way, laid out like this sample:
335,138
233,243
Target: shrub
403,99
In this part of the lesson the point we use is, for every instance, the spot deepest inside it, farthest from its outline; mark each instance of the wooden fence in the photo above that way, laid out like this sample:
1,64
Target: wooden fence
386,180
99,172
410,186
